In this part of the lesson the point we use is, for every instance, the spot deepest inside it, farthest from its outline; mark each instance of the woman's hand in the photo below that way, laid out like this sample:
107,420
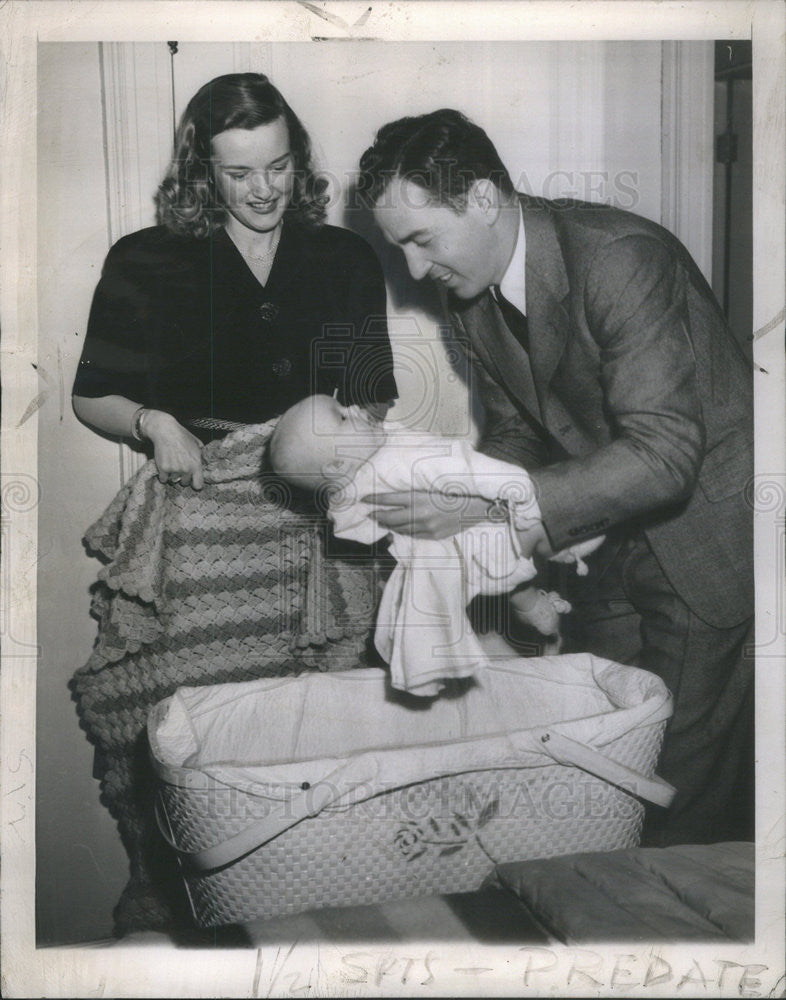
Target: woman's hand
426,514
176,452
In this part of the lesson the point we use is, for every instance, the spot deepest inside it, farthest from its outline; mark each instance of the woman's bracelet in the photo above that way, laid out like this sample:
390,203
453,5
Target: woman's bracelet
137,421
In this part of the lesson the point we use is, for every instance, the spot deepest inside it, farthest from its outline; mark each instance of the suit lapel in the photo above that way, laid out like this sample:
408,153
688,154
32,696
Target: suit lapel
547,291
505,356
547,317
549,322
550,325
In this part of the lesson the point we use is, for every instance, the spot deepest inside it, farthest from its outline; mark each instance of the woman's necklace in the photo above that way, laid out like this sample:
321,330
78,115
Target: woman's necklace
267,255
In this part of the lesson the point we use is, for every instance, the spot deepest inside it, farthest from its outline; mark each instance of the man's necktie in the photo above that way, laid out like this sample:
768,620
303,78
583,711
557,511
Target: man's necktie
515,319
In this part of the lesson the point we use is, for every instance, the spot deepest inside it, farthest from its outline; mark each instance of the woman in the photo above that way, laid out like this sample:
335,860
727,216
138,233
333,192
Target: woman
238,304
242,301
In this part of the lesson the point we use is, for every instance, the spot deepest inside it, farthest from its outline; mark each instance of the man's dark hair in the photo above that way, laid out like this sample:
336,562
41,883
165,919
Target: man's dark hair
443,152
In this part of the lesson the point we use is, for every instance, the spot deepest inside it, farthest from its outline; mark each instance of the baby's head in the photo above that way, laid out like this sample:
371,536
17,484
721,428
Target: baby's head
318,440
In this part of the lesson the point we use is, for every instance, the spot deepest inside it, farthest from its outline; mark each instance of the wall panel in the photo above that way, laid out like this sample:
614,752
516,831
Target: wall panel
81,864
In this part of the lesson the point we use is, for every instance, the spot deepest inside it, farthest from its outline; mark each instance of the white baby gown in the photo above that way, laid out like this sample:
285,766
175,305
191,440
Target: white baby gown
423,631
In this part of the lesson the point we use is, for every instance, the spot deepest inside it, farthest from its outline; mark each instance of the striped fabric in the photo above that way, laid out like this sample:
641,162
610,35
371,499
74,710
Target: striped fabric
230,583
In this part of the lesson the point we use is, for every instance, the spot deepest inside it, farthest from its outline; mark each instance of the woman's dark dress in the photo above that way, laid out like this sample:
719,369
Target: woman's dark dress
182,325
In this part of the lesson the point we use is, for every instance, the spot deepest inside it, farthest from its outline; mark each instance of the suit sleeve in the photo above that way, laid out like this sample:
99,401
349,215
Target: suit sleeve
636,311
505,434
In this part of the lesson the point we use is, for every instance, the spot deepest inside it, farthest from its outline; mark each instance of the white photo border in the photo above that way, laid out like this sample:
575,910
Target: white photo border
160,970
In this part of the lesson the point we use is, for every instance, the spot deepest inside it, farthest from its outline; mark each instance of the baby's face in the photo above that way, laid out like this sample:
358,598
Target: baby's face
318,439
349,435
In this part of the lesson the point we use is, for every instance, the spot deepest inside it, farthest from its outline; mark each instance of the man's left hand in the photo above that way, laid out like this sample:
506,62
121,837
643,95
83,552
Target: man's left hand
425,514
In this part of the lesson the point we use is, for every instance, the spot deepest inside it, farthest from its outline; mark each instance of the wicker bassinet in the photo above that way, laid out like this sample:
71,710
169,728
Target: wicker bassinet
288,794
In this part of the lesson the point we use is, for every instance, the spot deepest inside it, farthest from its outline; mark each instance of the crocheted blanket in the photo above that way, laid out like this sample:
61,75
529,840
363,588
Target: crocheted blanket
238,581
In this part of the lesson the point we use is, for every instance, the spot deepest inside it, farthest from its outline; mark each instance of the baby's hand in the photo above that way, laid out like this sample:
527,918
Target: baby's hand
539,609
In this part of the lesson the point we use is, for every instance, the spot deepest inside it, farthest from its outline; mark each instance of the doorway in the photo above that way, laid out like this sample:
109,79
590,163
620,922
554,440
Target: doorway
732,256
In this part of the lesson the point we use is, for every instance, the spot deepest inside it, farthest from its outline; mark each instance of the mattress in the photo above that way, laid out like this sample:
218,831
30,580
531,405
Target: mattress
684,893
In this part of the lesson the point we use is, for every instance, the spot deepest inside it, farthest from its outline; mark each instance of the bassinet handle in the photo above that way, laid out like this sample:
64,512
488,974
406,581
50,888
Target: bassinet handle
310,802
564,750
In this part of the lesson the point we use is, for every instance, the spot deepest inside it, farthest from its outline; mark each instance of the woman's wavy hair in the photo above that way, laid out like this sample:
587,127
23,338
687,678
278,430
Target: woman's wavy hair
186,200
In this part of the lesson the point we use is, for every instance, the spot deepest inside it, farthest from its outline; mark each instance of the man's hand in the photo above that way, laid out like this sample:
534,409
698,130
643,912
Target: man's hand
426,514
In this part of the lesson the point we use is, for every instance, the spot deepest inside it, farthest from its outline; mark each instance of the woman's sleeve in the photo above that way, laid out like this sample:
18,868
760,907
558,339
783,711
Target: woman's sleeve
115,357
369,374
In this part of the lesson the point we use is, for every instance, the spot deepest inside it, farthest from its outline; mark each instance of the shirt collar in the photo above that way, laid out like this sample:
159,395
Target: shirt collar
514,282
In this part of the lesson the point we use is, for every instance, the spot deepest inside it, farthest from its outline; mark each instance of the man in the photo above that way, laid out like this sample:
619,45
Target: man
606,368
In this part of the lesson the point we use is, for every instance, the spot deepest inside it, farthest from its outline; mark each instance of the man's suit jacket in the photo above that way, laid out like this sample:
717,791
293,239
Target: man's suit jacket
642,406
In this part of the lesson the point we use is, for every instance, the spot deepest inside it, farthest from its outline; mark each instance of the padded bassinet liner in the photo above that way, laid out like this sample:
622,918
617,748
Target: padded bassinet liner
284,795
293,729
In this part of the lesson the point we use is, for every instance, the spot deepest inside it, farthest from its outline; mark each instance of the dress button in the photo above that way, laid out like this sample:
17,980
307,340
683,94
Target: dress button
282,367
268,311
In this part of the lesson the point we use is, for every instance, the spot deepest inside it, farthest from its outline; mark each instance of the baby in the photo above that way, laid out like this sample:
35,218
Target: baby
422,631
